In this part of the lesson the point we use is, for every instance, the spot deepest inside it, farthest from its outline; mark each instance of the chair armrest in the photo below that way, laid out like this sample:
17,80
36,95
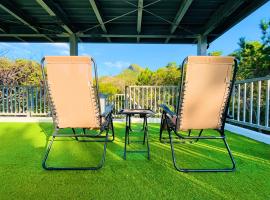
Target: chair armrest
167,110
108,110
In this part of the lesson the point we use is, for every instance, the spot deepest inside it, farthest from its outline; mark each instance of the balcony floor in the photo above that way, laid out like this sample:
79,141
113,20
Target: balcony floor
22,177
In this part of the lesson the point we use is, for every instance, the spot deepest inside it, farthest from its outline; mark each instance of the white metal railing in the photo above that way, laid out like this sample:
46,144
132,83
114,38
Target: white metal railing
147,97
119,102
150,97
250,103
23,101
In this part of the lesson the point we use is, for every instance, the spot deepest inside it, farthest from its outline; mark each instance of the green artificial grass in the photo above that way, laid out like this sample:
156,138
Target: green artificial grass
22,147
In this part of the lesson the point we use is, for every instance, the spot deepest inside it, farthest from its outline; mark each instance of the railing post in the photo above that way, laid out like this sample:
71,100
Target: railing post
233,101
7,89
251,103
238,103
259,103
267,104
151,98
126,101
244,102
3,100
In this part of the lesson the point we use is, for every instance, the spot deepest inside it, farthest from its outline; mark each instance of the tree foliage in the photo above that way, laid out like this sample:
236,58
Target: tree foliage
215,53
116,84
168,75
254,56
145,77
134,74
19,72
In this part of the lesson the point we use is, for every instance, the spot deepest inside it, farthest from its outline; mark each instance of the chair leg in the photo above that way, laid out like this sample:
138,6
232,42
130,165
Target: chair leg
201,170
189,132
162,123
147,138
112,128
100,165
74,132
160,131
200,133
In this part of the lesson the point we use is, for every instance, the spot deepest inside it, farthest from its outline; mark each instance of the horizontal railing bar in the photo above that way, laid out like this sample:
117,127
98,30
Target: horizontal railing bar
253,80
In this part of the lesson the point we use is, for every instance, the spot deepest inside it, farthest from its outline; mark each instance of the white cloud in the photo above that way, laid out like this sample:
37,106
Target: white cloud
88,53
60,45
61,48
14,49
85,54
4,44
117,64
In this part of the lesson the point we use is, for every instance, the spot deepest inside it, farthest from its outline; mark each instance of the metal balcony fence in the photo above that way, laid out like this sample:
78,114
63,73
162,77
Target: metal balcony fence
23,101
249,105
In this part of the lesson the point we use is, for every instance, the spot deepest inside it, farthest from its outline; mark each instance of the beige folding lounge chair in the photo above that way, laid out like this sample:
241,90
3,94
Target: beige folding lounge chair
204,95
73,97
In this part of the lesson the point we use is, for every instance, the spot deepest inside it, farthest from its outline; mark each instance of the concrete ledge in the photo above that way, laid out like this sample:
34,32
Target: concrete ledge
248,133
25,119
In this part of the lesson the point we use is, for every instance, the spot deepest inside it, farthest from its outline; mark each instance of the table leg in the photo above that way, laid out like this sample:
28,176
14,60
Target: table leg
126,137
129,123
129,129
144,127
147,139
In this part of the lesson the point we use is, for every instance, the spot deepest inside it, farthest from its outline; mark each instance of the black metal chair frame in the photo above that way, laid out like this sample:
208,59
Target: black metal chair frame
167,123
99,137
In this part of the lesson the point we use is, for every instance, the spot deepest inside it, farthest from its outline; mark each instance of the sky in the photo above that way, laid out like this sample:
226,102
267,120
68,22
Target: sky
113,58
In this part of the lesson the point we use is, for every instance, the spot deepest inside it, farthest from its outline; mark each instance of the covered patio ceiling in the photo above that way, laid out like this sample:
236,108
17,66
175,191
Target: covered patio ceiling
120,21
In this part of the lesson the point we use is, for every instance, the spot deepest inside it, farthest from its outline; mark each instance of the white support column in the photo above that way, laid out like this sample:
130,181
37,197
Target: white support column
202,46
73,45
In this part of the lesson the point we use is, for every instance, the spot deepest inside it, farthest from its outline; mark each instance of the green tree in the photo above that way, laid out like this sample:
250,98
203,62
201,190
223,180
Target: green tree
145,77
168,75
215,53
254,56
251,59
265,27
116,84
19,72
172,64
108,88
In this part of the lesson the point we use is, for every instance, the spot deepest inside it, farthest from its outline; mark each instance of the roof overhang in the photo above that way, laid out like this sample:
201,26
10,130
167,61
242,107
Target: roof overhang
121,21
